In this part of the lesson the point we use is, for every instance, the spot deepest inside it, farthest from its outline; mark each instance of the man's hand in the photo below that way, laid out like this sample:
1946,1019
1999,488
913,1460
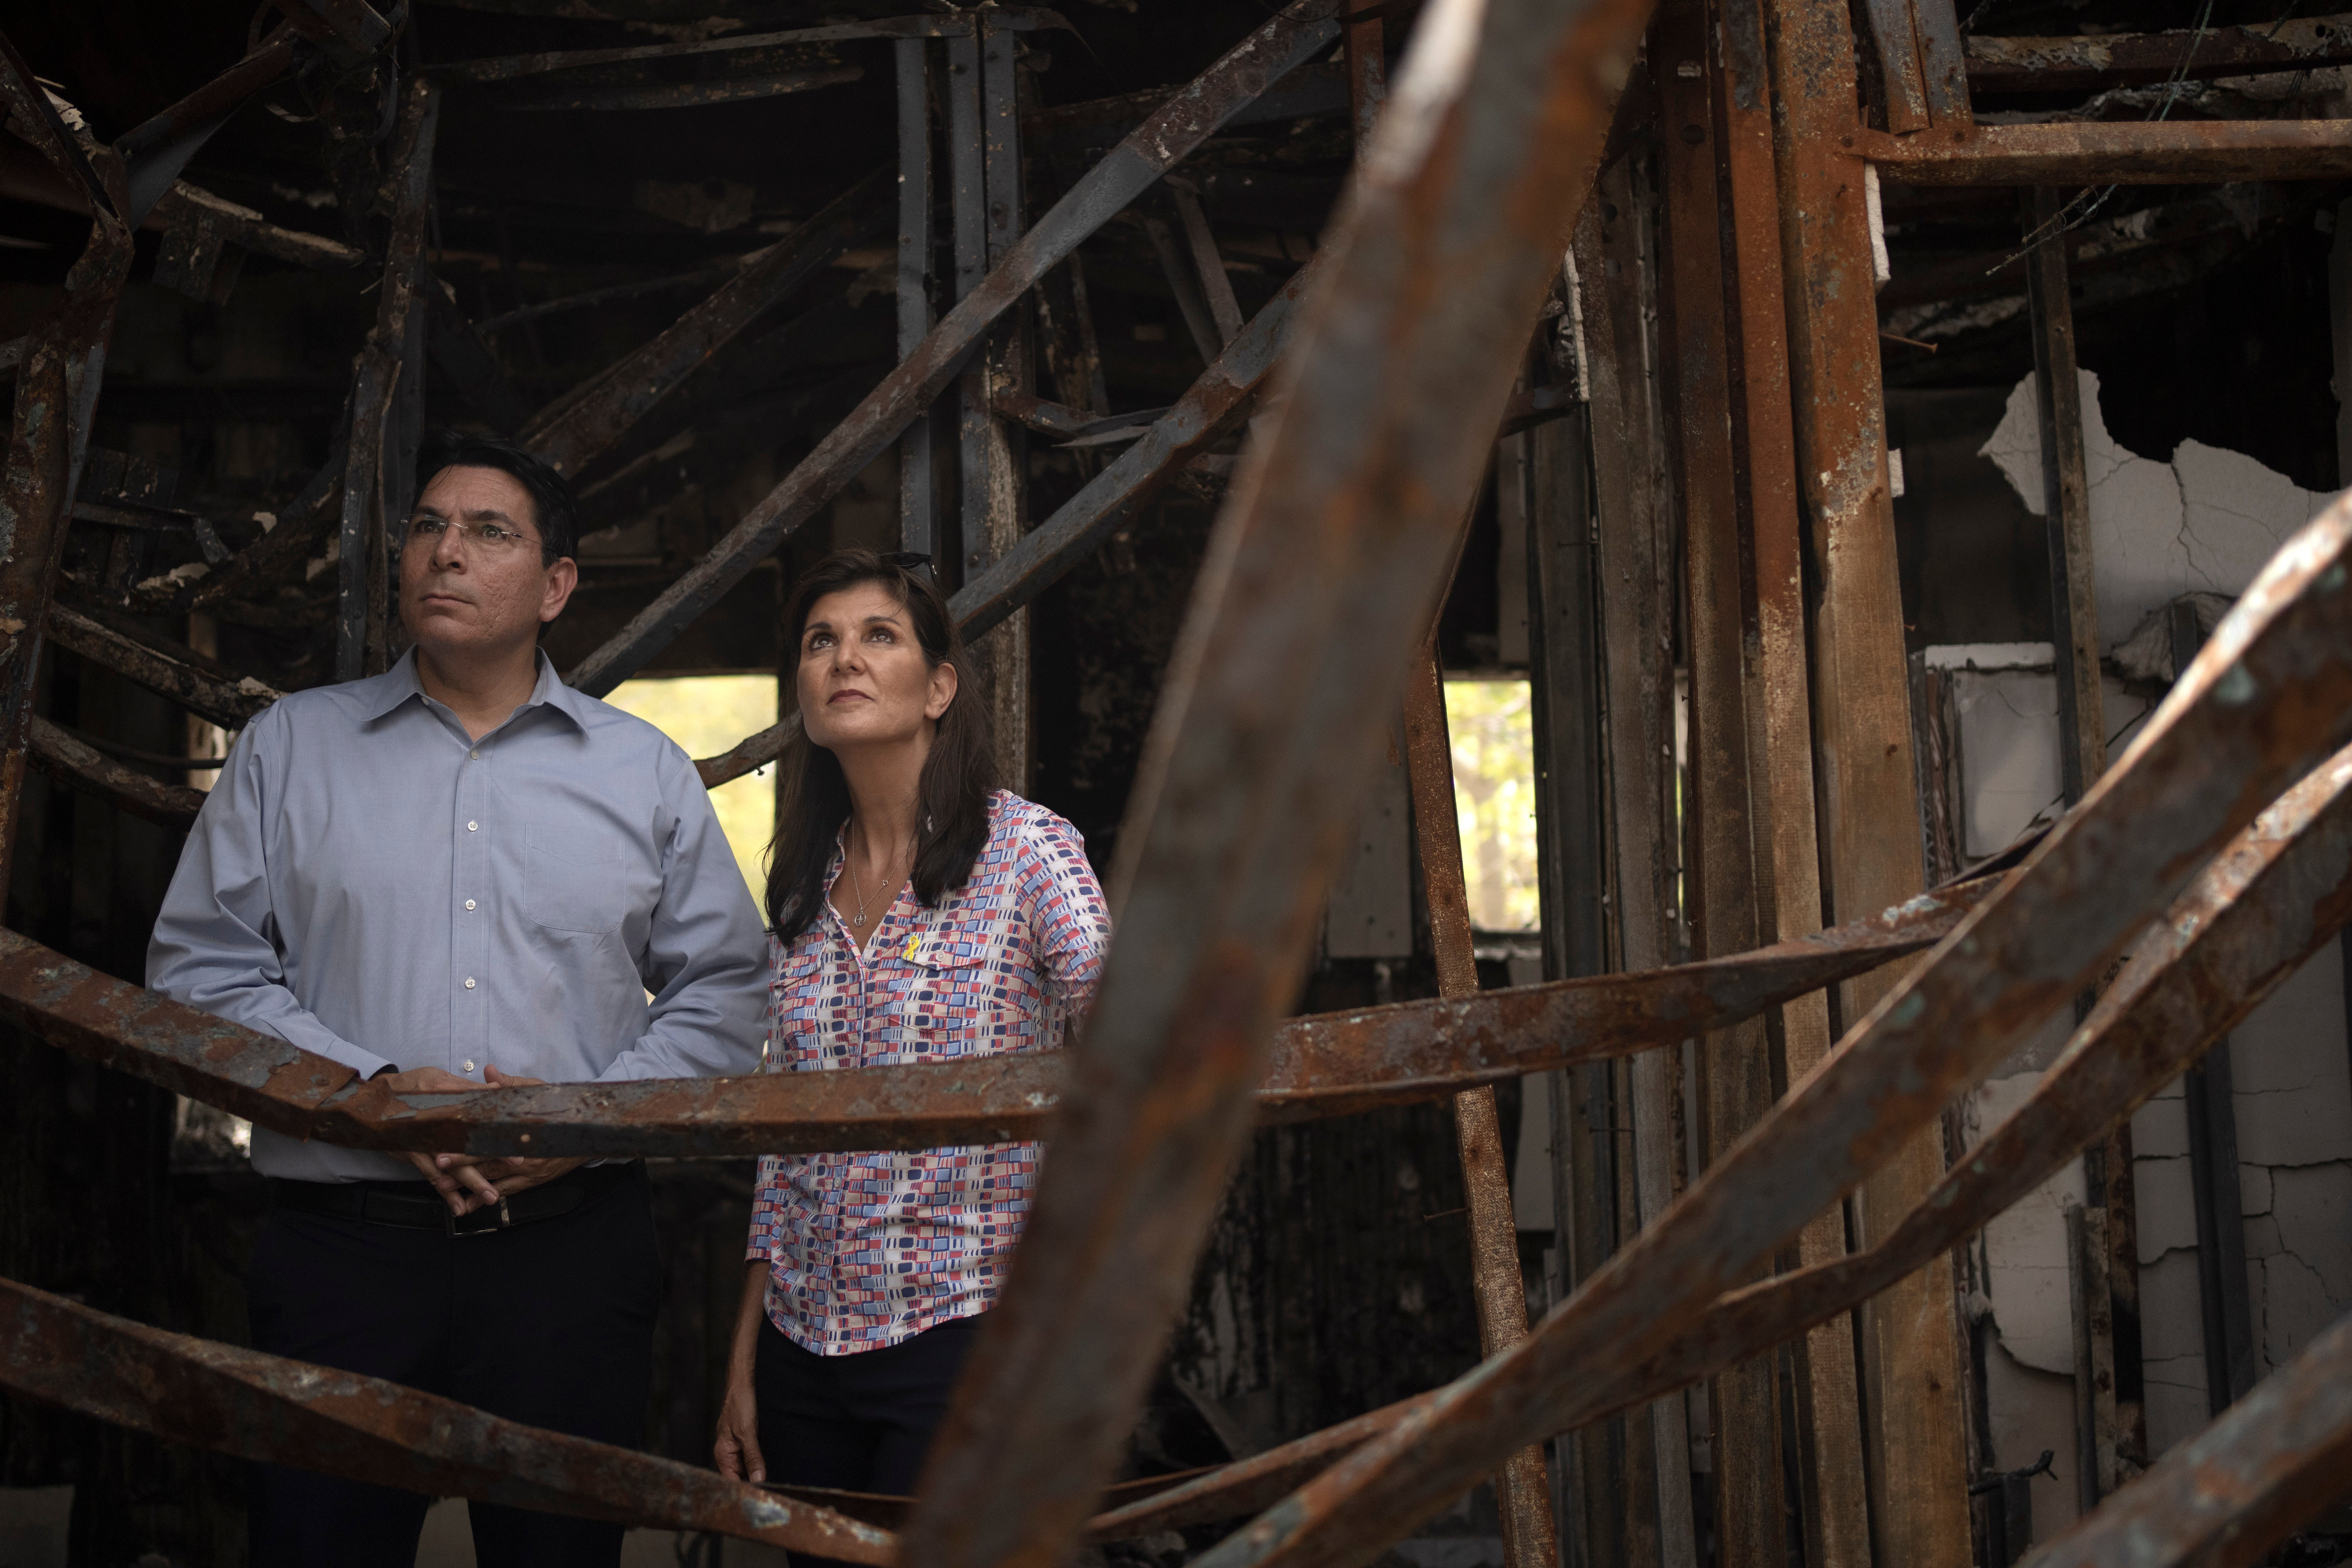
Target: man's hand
461,1185
490,1180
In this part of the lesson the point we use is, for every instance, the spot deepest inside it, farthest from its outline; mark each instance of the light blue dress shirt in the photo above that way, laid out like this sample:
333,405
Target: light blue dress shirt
368,883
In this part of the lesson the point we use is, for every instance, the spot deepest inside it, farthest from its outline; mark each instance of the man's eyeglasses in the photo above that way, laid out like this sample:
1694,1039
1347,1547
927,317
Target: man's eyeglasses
495,538
908,561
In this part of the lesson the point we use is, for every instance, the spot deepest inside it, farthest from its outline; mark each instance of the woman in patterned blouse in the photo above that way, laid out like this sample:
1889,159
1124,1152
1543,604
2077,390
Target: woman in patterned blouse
917,914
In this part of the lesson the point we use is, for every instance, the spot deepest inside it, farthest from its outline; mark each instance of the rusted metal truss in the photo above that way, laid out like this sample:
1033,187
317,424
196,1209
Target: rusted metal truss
2199,852
2269,699
1292,37
1329,1065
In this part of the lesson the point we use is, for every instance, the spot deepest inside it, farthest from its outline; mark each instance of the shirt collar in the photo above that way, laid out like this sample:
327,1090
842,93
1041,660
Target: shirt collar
395,686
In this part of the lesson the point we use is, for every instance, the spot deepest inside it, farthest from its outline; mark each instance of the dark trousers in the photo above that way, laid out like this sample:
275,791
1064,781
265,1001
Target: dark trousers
549,1324
858,1423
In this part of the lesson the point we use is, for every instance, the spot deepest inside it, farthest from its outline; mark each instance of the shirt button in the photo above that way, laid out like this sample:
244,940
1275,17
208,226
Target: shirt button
469,982
469,903
476,755
473,827
469,1066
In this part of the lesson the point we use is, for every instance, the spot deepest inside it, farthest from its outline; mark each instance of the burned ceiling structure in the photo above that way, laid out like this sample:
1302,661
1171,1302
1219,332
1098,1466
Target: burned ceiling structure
1240,395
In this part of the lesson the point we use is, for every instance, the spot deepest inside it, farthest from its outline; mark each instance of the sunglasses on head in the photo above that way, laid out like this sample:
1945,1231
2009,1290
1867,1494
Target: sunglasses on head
910,560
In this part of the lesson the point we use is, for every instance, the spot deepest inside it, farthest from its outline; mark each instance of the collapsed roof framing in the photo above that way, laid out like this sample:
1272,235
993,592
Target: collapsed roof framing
2217,853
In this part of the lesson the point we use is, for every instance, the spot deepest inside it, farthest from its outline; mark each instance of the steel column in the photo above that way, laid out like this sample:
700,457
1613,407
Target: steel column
1868,813
1523,1488
917,502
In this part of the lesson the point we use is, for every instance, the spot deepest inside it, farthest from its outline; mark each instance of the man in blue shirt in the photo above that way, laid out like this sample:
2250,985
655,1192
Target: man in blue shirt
462,873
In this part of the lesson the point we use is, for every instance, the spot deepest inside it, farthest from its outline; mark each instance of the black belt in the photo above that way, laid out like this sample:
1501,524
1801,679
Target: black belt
414,1206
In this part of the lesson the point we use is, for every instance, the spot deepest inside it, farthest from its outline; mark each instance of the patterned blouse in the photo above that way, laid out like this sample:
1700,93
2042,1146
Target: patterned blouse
868,1250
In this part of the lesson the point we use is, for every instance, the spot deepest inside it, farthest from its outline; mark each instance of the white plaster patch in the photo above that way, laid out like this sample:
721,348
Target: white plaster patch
2253,1189
2166,1204
2025,1249
2208,519
2161,1128
2009,746
2313,1206
2292,1075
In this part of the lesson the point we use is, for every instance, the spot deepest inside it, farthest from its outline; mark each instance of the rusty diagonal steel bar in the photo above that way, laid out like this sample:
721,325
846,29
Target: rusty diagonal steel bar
1301,30
1209,409
1314,595
2267,700
2275,1461
573,430
1327,1064
2266,903
266,1407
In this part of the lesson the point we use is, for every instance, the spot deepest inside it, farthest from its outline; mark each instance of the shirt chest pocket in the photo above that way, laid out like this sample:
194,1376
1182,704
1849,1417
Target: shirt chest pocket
573,880
954,1005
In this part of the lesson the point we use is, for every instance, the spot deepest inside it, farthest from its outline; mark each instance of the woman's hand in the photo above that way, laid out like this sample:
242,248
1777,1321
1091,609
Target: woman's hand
736,1449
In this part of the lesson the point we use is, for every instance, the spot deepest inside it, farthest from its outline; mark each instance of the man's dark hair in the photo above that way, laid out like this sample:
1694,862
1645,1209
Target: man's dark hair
555,514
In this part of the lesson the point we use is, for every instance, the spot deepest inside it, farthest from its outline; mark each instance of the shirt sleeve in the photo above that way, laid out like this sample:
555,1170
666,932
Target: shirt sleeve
705,958
216,940
767,1211
1071,915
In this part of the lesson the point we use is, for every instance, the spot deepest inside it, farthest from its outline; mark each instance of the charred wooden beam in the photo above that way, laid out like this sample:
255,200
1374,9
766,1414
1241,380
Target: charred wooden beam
375,479
203,686
79,766
1300,31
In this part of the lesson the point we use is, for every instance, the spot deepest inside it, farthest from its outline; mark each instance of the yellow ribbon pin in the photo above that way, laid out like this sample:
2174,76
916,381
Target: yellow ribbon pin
912,938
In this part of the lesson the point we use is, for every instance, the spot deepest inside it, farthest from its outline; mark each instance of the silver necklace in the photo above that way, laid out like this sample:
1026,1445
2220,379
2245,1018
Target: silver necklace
857,885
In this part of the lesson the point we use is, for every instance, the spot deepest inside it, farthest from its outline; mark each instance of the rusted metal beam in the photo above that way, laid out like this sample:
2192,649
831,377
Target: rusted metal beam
1300,31
183,202
2106,1281
203,686
2224,1498
2265,904
2269,700
571,432
1779,691
1867,812
1613,274
1697,324
236,1400
56,395
79,766
1523,1488
154,150
918,505
1998,65
2125,152
1323,567
1321,1066
372,477
508,67
1206,414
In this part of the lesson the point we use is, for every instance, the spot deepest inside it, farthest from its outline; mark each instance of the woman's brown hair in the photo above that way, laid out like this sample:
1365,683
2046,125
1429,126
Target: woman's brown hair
811,795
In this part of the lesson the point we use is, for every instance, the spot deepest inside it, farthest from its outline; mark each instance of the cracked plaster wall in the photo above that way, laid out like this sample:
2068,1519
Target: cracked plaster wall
2206,520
